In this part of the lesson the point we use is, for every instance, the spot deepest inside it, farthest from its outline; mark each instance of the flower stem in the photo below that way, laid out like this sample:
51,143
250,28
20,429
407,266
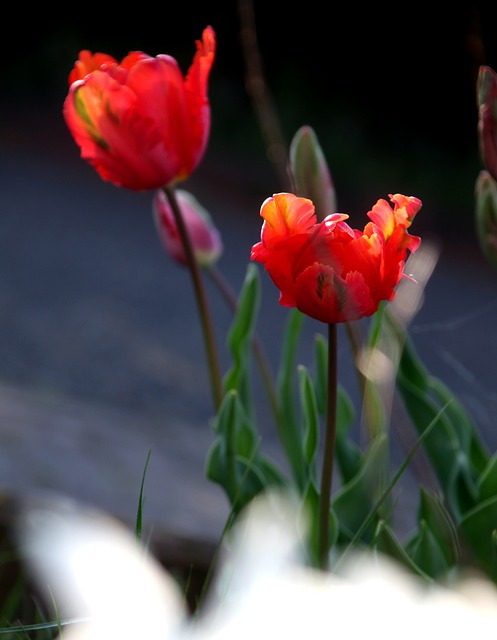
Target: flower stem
259,354
205,317
329,449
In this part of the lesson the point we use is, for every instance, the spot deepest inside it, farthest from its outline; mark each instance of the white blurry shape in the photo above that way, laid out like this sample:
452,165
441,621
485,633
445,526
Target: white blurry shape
261,590
94,568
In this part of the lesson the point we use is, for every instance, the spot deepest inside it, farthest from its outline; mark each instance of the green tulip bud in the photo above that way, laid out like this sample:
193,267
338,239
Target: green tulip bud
486,215
310,172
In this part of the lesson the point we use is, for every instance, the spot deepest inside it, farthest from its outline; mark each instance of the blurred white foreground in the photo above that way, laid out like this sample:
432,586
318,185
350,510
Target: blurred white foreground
93,568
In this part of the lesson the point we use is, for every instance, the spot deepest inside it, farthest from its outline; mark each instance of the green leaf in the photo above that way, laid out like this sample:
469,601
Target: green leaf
141,499
487,482
233,460
310,418
321,376
240,336
288,427
469,438
235,439
433,512
454,447
435,546
348,454
479,529
310,509
354,501
427,553
386,542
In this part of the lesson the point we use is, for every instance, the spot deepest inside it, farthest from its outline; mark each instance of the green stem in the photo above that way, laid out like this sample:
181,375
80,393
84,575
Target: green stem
259,354
329,449
205,318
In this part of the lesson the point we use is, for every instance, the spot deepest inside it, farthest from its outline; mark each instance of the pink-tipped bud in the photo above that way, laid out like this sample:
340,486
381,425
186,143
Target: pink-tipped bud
205,238
310,172
486,215
486,93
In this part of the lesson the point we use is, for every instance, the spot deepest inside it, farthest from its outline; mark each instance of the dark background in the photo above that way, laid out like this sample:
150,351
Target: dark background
390,94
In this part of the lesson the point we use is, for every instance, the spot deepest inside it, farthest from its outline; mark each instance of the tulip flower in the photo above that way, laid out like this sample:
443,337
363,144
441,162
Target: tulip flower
328,270
140,123
204,236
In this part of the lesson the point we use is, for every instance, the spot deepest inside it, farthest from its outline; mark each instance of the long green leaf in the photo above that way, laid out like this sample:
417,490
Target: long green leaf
239,339
479,528
289,428
310,418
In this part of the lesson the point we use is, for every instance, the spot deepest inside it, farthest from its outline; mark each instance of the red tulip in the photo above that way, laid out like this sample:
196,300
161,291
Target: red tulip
328,270
140,123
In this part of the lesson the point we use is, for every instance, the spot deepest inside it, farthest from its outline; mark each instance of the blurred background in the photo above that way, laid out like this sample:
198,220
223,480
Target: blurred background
391,98
101,355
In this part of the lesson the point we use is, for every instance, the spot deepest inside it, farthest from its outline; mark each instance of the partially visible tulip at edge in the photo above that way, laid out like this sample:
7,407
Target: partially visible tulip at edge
140,123
486,215
328,270
486,92
204,236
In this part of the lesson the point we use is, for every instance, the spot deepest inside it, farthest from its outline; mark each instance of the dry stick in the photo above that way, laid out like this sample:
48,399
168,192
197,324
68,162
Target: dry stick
206,321
256,87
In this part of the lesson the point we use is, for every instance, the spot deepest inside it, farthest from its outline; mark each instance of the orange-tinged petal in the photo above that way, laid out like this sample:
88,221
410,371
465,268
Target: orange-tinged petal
284,215
405,208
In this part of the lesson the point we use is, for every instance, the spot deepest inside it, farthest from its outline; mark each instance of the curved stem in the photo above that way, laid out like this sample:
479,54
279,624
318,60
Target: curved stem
259,354
205,318
329,449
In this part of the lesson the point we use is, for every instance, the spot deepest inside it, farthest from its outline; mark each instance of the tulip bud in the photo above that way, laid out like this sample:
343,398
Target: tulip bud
311,173
486,92
486,215
205,238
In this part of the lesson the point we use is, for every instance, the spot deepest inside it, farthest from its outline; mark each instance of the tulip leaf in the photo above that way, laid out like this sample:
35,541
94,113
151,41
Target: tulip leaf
233,460
321,371
487,482
469,438
386,542
288,425
348,454
310,511
435,515
435,546
354,501
310,418
426,553
453,447
235,439
479,528
240,336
